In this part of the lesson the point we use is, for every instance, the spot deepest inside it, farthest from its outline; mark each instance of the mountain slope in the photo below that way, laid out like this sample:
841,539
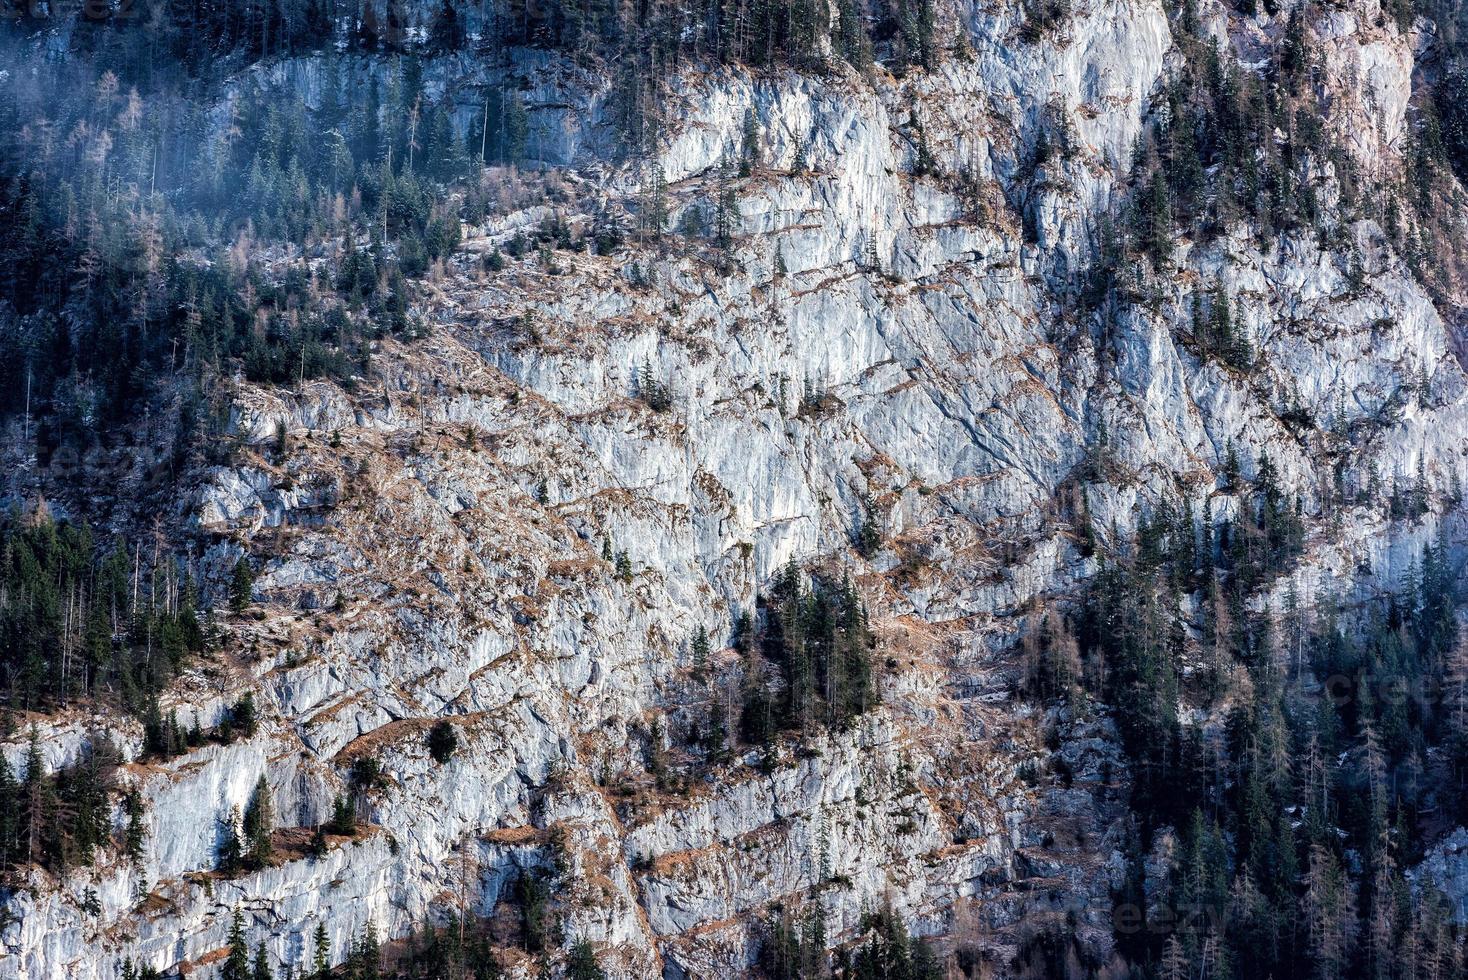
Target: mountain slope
881,331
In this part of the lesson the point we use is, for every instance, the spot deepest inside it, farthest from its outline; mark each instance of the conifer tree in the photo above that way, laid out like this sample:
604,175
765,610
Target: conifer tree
261,970
749,150
231,848
237,962
259,822
700,650
10,801
37,801
366,960
343,816
443,741
582,964
726,217
241,585
320,953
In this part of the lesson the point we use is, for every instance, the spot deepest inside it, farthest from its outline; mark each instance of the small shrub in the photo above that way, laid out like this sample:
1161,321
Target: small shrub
443,741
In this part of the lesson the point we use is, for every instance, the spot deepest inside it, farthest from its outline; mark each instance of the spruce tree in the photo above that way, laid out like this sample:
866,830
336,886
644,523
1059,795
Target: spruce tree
366,959
237,962
133,836
241,585
582,964
700,651
10,801
749,150
231,848
726,217
259,822
343,816
261,969
443,741
320,953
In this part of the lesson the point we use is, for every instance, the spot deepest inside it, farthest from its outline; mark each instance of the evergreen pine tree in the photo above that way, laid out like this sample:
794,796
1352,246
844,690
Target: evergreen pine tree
700,651
259,822
261,970
237,962
582,964
241,585
320,953
231,849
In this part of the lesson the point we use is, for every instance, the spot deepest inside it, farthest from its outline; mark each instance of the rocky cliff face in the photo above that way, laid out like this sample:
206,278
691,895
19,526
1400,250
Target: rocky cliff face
877,338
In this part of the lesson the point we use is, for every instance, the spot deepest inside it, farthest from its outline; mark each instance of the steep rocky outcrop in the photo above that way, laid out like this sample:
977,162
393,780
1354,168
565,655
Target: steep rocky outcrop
432,538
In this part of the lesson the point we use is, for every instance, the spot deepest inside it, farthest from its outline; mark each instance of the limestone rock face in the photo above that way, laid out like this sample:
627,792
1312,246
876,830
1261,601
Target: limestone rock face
432,540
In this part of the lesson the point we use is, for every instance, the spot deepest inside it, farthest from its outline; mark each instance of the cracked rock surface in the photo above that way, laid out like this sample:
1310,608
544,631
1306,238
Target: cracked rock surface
433,538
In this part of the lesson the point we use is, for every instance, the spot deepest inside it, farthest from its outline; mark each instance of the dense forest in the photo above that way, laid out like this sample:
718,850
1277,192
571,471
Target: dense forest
1298,757
118,175
80,617
64,819
106,295
818,646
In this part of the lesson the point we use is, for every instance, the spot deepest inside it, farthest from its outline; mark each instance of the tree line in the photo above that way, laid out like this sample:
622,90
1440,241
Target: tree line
1297,758
1228,143
113,193
807,659
80,618
63,819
